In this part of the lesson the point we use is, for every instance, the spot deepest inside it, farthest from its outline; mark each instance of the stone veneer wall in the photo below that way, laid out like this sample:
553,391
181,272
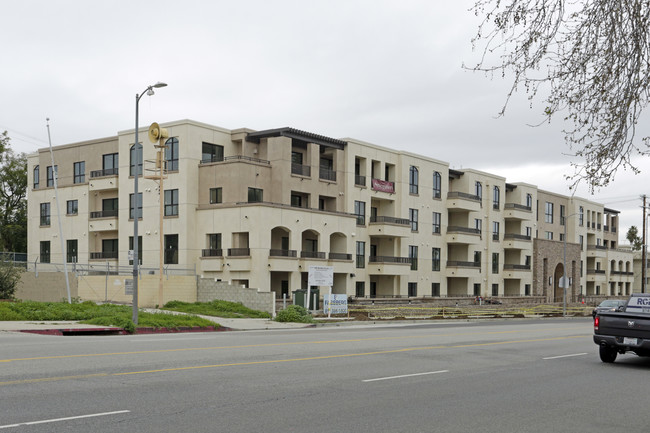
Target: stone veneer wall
209,290
553,252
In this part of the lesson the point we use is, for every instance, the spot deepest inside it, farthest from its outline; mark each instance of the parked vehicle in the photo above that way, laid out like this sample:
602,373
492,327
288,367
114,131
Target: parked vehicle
625,331
609,305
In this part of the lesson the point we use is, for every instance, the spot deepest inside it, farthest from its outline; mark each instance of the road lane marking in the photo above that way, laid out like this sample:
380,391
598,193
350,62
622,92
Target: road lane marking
565,356
53,379
404,375
45,421
246,346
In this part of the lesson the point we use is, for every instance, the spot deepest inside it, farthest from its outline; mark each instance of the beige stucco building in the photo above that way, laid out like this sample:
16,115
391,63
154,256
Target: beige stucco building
257,208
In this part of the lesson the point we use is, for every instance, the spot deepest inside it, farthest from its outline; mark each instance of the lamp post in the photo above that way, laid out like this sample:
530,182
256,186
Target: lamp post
149,91
564,280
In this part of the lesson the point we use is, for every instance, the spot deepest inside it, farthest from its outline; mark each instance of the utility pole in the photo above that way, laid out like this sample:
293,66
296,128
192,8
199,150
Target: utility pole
644,253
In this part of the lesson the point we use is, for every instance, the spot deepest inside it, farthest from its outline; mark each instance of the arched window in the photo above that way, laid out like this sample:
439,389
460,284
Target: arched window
437,184
479,190
37,176
132,159
581,216
413,180
171,154
496,197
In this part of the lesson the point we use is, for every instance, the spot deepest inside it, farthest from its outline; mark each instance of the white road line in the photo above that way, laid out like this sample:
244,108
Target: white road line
405,375
63,419
566,356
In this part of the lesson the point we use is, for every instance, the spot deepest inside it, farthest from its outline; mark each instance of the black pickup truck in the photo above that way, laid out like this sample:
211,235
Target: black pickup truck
624,331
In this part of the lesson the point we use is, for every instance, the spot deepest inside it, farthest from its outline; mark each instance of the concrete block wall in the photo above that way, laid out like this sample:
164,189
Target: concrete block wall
46,286
209,290
98,288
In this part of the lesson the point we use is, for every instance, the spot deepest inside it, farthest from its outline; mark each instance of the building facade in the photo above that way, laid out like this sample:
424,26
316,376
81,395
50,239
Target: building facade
257,208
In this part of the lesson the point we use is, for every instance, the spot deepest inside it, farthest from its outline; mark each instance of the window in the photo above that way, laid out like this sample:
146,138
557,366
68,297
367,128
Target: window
529,201
296,200
296,158
435,289
478,190
561,237
435,259
79,169
581,216
413,289
110,248
171,154
413,217
37,175
562,219
361,254
496,197
478,225
139,249
71,251
527,289
110,163
72,207
171,202
45,252
211,152
495,263
255,195
110,204
437,185
477,289
50,175
131,205
215,195
495,230
413,257
495,290
581,241
171,249
132,160
360,212
549,236
436,222
548,213
529,232
477,258
360,289
214,245
45,214
413,180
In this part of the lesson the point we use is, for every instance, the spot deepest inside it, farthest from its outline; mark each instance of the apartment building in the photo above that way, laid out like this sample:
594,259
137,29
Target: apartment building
257,208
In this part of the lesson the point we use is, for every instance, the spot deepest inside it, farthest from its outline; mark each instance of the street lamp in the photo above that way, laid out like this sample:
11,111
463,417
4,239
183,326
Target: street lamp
564,280
149,91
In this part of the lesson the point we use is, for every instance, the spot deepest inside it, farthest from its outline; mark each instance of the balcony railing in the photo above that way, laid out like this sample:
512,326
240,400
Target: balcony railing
339,256
301,170
104,255
211,158
312,254
509,267
282,253
458,194
596,247
516,237
596,271
458,229
360,180
104,214
462,264
105,172
517,206
388,259
246,158
390,220
212,252
327,174
239,252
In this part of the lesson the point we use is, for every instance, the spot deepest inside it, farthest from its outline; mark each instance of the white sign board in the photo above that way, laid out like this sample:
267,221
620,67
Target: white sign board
321,276
338,304
130,255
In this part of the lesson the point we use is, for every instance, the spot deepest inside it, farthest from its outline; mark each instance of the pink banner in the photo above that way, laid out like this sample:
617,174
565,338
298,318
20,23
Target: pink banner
383,185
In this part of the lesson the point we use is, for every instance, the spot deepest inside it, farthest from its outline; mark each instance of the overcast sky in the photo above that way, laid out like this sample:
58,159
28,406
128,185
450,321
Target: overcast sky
385,72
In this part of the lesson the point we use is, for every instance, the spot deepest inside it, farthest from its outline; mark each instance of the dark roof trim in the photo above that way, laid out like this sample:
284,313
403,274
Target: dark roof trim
608,210
510,187
455,174
296,134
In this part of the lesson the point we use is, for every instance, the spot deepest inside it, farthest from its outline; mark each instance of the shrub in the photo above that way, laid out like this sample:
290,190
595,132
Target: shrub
294,313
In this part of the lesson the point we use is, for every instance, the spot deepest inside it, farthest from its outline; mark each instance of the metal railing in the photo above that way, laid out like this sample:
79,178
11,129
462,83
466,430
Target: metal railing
282,253
246,158
104,173
359,180
509,267
389,259
517,206
516,237
339,256
458,229
462,264
312,254
390,220
327,174
301,170
239,252
212,252
104,255
458,194
104,214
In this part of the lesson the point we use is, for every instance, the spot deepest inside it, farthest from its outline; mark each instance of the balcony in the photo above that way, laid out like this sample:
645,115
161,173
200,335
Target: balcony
388,265
462,235
517,211
596,275
387,226
516,271
463,269
103,214
463,202
326,174
103,180
282,253
339,256
103,221
359,180
104,255
383,186
239,252
596,251
211,252
301,170
516,241
312,255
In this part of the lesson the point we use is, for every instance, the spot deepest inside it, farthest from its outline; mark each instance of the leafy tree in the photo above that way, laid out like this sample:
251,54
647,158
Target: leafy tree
9,277
592,60
633,238
13,203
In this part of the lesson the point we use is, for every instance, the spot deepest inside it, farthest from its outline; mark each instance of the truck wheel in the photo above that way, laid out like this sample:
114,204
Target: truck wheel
607,354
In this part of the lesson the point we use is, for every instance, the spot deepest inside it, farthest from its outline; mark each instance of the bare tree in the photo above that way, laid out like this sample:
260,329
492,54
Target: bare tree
590,59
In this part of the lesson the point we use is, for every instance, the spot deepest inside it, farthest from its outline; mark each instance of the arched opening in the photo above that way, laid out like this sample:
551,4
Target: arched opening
558,292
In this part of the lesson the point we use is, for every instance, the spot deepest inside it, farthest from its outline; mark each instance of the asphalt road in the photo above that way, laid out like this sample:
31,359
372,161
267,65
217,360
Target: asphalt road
500,376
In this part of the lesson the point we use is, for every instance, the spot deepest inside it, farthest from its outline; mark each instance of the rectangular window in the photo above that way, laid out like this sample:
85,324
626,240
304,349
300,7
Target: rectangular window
435,289
139,206
72,207
495,263
171,202
171,154
495,290
548,213
296,200
71,253
296,158
562,217
413,289
214,241
211,153
361,254
478,189
495,230
436,222
37,175
529,232
478,225
413,257
477,289
79,172
435,259
215,195
45,252
360,289
171,249
110,164
413,217
561,237
139,249
527,289
581,240
109,248
549,236
496,199
45,214
50,175
477,258
360,212
255,195
110,204
132,161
